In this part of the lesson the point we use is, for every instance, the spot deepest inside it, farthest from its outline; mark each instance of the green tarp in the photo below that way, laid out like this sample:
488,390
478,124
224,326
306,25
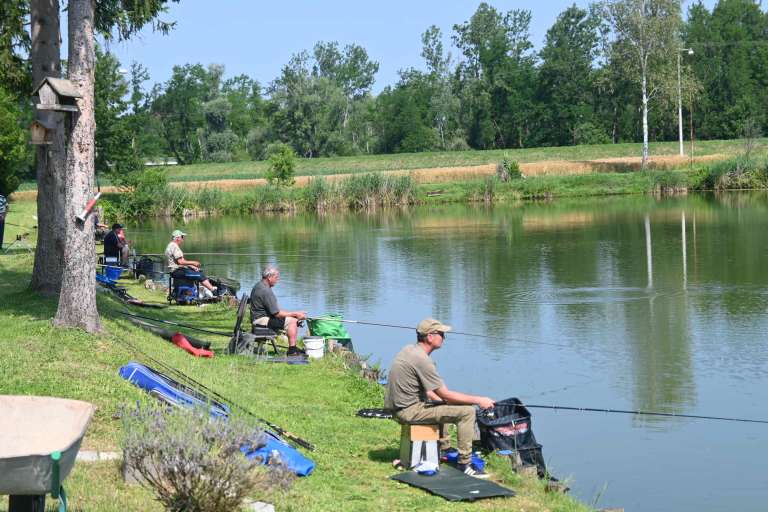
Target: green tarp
328,326
453,485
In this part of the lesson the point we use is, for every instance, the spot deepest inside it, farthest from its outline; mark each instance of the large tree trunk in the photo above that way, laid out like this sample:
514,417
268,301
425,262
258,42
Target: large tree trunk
77,300
46,61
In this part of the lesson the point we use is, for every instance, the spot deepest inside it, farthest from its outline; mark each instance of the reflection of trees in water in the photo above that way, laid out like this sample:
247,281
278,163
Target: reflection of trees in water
575,265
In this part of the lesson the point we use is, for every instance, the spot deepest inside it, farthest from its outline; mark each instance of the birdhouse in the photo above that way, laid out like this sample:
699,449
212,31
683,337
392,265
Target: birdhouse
56,94
41,133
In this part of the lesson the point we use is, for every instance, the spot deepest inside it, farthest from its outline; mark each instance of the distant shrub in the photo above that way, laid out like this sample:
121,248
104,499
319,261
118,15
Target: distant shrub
589,133
220,157
221,143
144,193
508,170
458,143
740,172
282,164
256,141
194,463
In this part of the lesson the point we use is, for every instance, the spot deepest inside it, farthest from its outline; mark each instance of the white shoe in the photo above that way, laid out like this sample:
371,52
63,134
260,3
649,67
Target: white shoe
208,293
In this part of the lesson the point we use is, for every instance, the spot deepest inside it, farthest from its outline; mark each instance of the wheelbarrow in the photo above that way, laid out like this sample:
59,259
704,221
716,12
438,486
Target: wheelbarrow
39,440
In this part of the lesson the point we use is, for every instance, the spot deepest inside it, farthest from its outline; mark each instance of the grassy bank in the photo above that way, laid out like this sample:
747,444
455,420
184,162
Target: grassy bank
316,401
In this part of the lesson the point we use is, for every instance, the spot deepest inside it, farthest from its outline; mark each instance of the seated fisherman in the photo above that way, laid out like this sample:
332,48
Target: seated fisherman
179,267
413,379
265,311
116,246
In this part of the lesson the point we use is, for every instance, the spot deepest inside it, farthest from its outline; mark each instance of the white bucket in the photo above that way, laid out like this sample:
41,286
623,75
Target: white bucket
315,346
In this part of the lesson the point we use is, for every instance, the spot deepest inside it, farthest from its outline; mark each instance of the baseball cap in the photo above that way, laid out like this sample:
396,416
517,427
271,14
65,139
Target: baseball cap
429,325
117,226
177,233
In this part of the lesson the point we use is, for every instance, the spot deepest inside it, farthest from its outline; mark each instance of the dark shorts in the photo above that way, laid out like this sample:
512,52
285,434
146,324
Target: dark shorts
276,324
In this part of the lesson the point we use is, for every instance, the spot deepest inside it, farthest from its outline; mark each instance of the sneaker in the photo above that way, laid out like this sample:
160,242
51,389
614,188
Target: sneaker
208,294
472,470
295,351
450,455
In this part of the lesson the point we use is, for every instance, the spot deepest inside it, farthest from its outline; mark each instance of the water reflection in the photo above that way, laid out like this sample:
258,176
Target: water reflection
660,305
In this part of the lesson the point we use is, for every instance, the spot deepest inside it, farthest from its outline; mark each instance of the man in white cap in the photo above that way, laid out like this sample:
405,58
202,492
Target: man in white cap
413,379
179,267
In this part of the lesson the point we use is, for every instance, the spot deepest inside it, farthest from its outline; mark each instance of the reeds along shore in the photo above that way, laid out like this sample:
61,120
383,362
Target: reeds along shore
375,190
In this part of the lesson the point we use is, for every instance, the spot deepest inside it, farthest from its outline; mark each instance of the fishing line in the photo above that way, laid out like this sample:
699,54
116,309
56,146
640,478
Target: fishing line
190,381
410,328
643,413
217,333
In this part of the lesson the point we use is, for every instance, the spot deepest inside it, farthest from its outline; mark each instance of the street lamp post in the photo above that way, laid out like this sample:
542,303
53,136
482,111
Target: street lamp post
680,96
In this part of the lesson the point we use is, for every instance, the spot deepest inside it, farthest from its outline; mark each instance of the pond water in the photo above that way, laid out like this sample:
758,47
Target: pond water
623,303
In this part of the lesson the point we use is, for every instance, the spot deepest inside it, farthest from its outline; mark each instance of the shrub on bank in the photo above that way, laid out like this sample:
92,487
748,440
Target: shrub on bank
194,463
741,172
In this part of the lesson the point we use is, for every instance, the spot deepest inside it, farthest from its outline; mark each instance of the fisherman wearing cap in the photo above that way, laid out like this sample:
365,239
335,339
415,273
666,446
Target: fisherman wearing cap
116,246
413,379
179,267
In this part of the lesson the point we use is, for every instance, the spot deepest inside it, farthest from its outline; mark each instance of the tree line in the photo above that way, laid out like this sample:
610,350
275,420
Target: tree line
583,87
490,90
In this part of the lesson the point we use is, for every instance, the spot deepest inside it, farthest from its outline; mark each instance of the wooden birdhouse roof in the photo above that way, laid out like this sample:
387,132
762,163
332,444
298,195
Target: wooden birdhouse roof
62,87
45,124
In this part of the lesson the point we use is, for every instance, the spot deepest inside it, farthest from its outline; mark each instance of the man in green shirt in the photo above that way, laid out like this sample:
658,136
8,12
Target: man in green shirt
413,379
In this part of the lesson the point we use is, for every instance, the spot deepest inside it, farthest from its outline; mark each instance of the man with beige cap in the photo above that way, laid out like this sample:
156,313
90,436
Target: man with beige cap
180,267
413,379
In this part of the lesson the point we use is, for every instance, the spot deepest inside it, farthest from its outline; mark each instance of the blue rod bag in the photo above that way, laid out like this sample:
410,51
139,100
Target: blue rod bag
171,392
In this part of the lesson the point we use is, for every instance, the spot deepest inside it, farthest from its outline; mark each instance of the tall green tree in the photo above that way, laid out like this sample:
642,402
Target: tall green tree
567,78
497,78
179,107
14,157
115,149
731,51
15,74
645,45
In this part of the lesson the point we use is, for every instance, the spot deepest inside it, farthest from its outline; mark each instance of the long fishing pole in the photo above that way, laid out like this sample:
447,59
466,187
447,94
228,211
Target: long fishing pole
179,374
217,333
643,413
411,328
20,226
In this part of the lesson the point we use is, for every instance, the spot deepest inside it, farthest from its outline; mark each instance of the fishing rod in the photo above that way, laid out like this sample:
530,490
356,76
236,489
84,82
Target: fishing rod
20,226
410,328
179,374
217,333
643,413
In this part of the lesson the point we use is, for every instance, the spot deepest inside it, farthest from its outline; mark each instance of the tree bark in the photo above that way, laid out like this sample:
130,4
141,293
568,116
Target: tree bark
46,61
77,300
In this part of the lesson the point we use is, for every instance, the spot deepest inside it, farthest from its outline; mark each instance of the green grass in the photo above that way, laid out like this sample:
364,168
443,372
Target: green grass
316,401
383,163
376,163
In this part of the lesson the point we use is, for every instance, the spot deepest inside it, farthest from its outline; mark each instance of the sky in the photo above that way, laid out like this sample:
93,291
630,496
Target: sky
257,38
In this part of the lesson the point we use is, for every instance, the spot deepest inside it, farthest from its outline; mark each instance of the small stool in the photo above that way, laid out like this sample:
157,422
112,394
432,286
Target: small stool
418,443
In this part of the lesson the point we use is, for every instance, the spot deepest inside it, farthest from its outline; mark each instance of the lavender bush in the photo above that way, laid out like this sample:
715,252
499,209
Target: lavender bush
193,462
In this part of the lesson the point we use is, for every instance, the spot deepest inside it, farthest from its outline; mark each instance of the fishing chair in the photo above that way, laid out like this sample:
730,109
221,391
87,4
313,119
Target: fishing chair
184,290
254,342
